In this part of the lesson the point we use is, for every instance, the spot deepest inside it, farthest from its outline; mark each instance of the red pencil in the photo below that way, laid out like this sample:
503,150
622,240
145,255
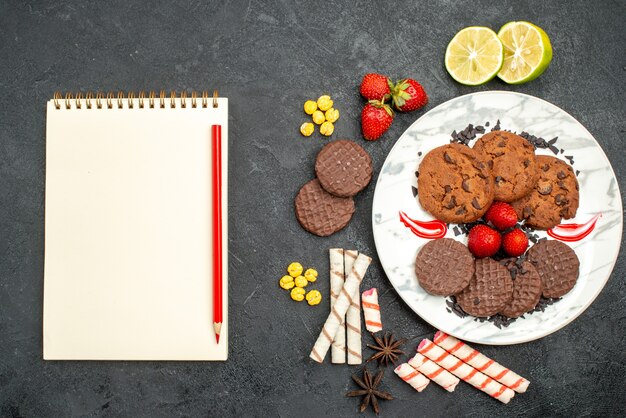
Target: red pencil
216,158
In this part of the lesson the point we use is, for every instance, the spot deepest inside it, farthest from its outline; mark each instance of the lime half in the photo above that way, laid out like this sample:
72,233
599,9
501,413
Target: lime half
474,56
527,52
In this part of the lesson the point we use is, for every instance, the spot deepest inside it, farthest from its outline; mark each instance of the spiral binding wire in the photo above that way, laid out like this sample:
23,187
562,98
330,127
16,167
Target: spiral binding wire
111,100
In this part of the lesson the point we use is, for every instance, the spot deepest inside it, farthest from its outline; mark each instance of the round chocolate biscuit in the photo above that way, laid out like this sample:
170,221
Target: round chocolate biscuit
557,265
343,168
489,291
455,184
321,213
554,197
512,161
444,267
527,288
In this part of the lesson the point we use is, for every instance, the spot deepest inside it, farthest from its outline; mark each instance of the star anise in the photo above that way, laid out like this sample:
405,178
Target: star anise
386,349
369,390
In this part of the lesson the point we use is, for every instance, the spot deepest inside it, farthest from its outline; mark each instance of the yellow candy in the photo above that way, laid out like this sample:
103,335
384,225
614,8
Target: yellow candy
307,128
286,282
332,115
301,281
309,107
324,103
327,129
310,275
318,117
314,297
297,294
295,269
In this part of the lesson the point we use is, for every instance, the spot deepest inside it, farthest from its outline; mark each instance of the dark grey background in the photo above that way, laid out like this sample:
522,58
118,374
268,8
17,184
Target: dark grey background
268,58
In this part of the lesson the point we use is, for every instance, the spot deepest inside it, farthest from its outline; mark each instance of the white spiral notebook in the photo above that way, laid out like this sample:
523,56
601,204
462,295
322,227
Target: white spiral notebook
128,231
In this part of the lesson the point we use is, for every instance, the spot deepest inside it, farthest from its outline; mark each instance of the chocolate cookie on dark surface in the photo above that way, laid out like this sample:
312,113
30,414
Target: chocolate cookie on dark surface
455,184
444,267
557,265
555,196
489,291
527,288
343,168
512,161
321,213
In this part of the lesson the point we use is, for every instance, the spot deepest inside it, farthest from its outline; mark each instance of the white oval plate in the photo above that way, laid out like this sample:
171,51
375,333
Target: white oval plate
397,246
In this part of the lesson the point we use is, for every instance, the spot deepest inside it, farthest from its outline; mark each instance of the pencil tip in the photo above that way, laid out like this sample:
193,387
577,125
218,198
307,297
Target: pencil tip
217,338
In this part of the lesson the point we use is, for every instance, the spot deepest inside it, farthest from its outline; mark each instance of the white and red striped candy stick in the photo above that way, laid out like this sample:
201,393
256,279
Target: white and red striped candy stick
464,371
434,372
412,377
481,362
371,310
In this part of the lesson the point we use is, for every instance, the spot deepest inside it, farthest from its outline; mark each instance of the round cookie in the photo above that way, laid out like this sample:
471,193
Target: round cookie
489,291
554,197
321,213
512,161
454,184
557,265
343,168
444,267
527,288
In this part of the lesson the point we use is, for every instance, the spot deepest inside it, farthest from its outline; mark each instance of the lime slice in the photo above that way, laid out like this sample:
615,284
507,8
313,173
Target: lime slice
527,52
474,56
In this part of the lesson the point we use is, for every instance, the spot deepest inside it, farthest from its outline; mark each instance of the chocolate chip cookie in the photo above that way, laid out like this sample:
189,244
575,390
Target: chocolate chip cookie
343,168
489,291
455,184
512,161
527,288
444,267
554,197
321,213
557,265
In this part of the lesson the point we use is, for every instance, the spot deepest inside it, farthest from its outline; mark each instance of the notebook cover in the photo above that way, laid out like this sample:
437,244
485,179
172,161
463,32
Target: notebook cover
128,233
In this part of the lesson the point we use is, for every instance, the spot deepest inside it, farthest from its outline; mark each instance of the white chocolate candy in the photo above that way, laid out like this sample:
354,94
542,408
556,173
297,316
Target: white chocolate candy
339,309
371,310
353,317
338,348
465,372
412,377
434,372
481,362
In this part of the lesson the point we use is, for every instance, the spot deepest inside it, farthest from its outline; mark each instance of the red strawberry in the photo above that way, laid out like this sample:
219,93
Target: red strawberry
408,95
483,241
501,215
376,118
514,243
375,87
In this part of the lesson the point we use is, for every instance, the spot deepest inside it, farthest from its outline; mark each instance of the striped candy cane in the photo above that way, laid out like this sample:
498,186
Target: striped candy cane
371,310
481,362
434,372
414,378
464,371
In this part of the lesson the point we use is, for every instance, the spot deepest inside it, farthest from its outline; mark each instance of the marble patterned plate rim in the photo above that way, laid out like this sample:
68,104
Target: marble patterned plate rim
589,298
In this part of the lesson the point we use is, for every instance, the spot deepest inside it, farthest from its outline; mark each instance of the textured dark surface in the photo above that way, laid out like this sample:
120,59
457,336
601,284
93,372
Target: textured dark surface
489,290
268,58
321,213
557,265
444,267
343,168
